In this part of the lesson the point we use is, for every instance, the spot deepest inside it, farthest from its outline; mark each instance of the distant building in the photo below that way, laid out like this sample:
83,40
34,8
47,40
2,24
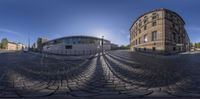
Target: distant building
40,42
76,45
159,31
20,46
114,46
15,46
11,46
34,46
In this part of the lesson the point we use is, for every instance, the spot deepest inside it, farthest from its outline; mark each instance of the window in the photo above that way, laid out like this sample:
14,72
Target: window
145,27
154,23
145,49
67,41
145,38
136,42
153,14
145,19
171,15
68,47
136,27
154,35
58,41
139,40
174,48
174,36
140,24
173,26
139,30
153,48
154,17
179,39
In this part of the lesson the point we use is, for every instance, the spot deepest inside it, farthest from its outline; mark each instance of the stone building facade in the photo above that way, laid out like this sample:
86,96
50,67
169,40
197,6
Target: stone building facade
159,31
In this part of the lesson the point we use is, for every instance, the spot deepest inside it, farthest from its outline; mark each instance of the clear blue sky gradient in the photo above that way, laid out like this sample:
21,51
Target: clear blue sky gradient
20,19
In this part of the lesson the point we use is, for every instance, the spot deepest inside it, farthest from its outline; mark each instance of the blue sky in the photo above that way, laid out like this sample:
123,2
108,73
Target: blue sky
20,19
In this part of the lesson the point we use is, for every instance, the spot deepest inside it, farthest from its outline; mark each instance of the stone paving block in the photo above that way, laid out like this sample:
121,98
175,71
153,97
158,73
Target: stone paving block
82,94
182,94
137,93
119,74
122,88
53,87
108,92
160,94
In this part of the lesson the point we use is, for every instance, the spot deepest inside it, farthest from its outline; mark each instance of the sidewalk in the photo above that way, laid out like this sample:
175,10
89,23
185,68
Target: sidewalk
63,57
5,51
169,56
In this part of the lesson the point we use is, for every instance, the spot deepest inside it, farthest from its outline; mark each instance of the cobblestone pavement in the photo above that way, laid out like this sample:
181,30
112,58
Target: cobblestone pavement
119,73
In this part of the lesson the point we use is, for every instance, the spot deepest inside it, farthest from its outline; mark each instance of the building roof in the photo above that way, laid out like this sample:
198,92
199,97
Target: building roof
12,42
16,43
160,9
77,36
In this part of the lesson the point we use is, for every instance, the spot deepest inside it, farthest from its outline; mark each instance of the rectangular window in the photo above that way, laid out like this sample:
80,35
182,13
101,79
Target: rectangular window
140,40
145,38
140,24
153,48
154,17
179,39
145,21
136,42
154,23
174,48
154,36
174,37
58,41
139,31
145,49
68,47
145,27
173,26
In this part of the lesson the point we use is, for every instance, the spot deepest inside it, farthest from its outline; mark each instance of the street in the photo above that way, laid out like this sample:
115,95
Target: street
114,74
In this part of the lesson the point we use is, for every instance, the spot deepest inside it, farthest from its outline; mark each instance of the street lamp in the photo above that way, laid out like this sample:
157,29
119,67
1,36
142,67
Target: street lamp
102,44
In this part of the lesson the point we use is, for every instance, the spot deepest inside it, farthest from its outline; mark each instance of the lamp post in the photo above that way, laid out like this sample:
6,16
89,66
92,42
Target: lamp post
102,44
28,43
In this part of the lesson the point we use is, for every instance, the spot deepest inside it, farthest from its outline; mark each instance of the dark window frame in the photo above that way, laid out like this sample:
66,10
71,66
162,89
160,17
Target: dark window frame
68,46
154,23
154,36
145,27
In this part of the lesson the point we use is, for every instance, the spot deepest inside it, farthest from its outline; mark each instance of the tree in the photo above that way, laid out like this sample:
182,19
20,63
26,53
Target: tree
0,46
197,45
124,46
4,43
128,46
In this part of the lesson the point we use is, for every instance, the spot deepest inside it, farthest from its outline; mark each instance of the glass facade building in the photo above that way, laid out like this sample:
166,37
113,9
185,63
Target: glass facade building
76,45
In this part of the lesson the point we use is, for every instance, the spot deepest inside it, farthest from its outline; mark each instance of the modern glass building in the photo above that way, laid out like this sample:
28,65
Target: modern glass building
76,45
